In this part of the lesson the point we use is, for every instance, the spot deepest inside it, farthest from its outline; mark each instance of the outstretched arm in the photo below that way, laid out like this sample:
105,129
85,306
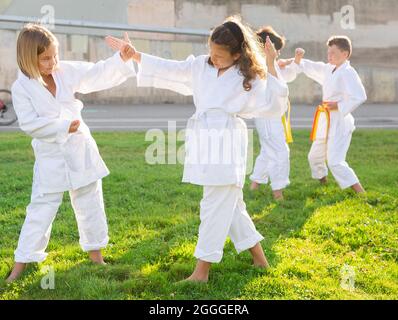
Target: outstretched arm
86,77
160,73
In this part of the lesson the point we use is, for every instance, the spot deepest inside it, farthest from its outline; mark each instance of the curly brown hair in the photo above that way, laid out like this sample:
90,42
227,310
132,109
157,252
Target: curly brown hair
239,38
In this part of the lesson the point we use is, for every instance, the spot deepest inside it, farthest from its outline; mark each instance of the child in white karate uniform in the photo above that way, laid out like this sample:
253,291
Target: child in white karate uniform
333,125
273,163
67,157
228,84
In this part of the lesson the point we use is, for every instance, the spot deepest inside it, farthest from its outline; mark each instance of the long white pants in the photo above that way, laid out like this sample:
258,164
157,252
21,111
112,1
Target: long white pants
332,155
89,210
272,164
223,213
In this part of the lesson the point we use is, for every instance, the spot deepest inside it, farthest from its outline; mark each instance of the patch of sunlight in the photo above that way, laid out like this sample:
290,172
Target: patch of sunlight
135,235
184,250
294,246
17,288
148,269
267,210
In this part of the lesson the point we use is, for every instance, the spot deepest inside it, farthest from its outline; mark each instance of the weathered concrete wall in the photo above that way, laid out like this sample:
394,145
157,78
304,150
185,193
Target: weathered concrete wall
305,23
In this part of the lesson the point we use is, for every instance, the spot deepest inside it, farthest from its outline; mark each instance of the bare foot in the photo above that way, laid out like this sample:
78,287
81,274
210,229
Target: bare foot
193,278
16,272
278,194
324,180
358,188
96,257
254,186
201,272
259,259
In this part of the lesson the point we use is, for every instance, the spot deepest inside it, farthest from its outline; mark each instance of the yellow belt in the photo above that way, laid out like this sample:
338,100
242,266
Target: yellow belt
321,108
287,126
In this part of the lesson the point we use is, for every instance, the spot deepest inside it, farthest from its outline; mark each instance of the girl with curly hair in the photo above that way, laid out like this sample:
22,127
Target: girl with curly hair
234,81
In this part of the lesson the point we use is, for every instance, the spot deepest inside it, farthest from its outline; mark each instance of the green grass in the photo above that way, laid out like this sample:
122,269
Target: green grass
153,221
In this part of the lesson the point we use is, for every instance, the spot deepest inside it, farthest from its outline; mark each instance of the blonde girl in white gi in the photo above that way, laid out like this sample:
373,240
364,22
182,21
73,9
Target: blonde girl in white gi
273,163
229,83
67,157
333,125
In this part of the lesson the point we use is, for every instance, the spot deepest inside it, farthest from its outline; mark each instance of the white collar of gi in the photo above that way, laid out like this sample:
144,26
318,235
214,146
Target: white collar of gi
36,84
345,65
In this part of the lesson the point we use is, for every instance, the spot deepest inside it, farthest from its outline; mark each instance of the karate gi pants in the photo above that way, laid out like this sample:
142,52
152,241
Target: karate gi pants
272,164
88,206
332,155
223,213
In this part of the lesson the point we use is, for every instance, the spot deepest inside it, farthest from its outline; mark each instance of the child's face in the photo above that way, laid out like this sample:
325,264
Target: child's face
48,60
221,57
336,56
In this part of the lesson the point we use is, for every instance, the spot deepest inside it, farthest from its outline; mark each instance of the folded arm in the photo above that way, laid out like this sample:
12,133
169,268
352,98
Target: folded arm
42,128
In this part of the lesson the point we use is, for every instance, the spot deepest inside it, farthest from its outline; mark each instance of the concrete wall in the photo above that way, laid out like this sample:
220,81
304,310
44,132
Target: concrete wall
305,23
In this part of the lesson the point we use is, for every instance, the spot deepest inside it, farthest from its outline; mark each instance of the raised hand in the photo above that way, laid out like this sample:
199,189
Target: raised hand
283,63
127,50
270,50
114,43
74,126
299,55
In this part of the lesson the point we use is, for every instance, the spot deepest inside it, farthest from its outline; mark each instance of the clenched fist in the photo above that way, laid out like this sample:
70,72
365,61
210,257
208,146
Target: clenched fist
74,126
299,55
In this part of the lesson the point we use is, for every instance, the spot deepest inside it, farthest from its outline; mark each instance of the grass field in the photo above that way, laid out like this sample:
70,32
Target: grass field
310,238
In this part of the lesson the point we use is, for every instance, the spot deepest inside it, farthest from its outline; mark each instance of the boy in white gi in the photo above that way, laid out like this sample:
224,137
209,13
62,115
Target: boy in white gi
228,84
273,164
333,124
67,157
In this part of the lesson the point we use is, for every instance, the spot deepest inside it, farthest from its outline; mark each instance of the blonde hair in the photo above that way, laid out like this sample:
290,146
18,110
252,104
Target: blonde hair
239,38
32,41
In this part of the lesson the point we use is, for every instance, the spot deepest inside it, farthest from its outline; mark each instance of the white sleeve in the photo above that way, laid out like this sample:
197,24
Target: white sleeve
166,74
290,72
90,77
314,70
354,92
46,129
268,99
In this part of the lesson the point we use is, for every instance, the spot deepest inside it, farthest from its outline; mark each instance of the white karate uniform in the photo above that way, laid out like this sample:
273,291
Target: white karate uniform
218,165
273,162
64,161
344,87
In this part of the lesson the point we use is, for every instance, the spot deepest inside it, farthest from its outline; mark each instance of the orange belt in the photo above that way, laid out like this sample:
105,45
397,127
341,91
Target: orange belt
321,108
287,126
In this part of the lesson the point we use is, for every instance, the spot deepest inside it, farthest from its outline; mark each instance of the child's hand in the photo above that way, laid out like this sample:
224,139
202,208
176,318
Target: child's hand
270,51
332,106
74,126
127,50
299,55
283,63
